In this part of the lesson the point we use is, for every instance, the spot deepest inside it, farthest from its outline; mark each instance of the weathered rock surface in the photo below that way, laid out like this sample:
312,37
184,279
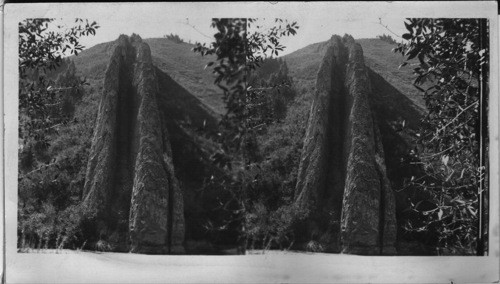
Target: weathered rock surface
342,178
130,180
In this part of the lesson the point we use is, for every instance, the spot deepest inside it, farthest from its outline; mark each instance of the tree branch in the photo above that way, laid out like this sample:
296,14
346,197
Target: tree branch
455,118
387,28
38,169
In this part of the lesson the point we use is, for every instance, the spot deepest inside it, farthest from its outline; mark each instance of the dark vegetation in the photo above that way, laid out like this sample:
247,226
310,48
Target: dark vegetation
174,37
51,178
52,147
254,98
452,74
387,38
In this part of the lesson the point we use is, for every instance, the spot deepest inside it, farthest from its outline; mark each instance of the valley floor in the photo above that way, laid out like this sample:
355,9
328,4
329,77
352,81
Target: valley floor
257,267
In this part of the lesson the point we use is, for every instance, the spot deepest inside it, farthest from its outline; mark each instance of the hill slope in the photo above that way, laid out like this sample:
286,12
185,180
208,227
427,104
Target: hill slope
187,67
175,59
304,65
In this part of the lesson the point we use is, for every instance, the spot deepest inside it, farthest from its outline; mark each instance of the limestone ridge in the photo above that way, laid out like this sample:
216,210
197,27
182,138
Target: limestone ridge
130,181
342,179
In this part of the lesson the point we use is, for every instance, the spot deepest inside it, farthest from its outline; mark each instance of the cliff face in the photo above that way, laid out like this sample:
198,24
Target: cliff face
342,179
130,180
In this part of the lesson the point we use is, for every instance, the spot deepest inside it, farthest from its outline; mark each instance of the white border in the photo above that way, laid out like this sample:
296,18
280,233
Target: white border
256,268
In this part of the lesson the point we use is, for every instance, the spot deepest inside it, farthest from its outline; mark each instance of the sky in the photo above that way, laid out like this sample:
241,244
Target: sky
318,21
316,24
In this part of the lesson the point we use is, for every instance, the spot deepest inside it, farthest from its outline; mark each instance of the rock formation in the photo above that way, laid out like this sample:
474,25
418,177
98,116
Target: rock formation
342,179
130,181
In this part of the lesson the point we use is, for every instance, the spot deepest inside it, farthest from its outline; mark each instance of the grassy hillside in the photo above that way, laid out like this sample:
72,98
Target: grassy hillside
380,58
187,67
175,59
304,64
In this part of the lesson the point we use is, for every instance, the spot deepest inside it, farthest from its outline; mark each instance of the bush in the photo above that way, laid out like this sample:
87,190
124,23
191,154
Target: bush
51,179
175,38
49,228
267,229
272,218
387,38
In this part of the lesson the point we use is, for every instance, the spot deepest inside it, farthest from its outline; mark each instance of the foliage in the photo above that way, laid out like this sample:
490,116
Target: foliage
174,37
387,38
52,157
272,228
71,90
48,228
42,47
57,186
452,69
271,91
239,51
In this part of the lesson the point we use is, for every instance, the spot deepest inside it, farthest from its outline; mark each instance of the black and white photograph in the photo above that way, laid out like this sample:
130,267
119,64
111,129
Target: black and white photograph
251,142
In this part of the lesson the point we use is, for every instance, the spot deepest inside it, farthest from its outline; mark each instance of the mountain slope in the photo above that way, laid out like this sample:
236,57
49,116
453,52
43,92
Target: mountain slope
175,59
304,64
187,67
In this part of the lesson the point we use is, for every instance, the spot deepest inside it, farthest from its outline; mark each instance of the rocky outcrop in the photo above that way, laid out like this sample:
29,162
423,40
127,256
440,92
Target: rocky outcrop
342,179
130,181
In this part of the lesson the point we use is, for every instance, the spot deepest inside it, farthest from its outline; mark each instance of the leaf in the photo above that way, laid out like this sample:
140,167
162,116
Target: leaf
409,27
440,214
407,36
209,64
414,52
445,159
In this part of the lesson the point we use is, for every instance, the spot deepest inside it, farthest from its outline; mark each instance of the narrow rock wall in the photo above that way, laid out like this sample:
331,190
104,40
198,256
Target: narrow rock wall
342,180
130,180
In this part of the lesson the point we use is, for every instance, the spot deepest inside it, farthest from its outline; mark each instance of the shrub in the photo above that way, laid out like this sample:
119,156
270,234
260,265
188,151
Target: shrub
314,246
175,38
387,38
49,228
267,229
51,179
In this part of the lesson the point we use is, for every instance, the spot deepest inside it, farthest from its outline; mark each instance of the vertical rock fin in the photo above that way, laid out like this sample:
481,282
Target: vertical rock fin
130,178
342,170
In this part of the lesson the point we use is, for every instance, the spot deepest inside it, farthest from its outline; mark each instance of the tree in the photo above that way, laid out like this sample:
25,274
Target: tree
452,73
49,214
272,88
42,47
240,46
